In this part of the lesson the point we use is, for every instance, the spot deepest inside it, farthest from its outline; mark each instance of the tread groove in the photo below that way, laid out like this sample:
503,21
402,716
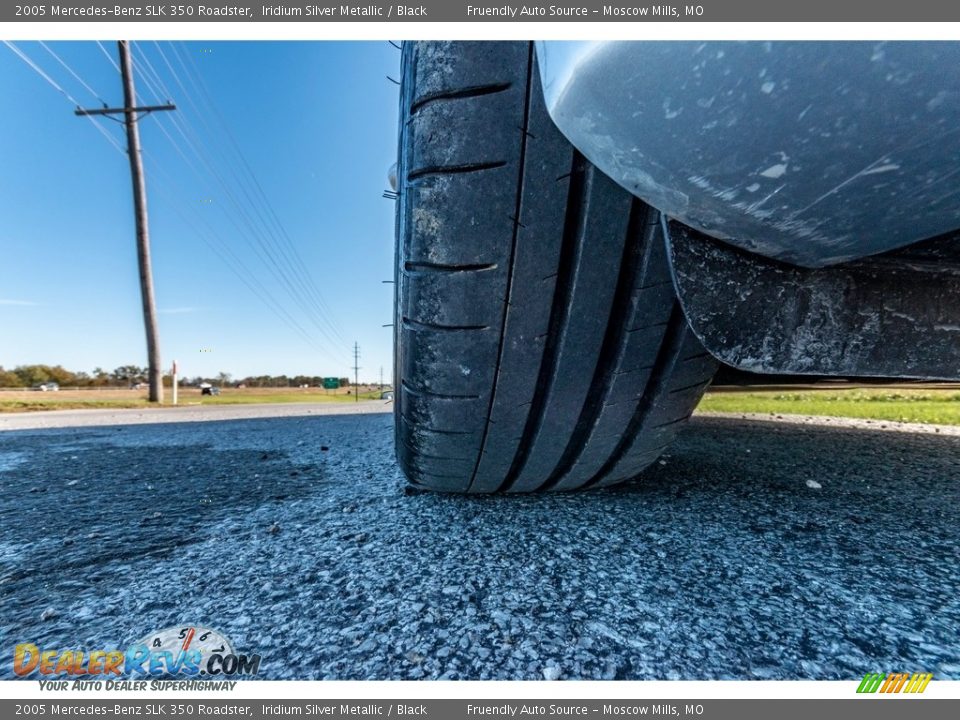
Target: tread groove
528,92
468,92
690,386
671,422
437,431
570,250
656,284
418,325
648,327
428,267
424,392
454,169
670,347
604,376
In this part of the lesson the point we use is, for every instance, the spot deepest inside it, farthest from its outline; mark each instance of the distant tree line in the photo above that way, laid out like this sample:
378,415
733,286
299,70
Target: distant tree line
26,376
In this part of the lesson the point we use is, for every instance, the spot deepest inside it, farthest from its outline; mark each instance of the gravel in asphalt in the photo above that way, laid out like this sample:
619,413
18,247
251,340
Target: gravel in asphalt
753,549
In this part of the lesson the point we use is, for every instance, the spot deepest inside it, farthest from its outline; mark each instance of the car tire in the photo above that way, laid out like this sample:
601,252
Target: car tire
539,341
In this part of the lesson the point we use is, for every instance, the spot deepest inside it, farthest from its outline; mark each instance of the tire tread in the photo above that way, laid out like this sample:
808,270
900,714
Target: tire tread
540,345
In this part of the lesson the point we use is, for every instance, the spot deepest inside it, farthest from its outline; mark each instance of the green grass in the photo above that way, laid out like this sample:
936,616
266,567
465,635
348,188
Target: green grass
940,407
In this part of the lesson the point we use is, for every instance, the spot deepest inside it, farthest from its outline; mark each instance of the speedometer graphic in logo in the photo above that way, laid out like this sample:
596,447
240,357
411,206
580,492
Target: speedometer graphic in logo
182,639
188,650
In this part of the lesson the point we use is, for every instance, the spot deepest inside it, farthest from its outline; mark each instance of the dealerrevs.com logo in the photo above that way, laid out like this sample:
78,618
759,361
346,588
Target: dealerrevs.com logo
190,651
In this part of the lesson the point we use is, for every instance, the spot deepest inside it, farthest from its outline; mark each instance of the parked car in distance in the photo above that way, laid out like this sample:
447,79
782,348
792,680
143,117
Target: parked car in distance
47,387
208,389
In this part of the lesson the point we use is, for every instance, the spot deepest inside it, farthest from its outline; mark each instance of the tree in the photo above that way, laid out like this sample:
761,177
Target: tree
130,374
224,379
61,375
100,376
31,375
8,378
344,382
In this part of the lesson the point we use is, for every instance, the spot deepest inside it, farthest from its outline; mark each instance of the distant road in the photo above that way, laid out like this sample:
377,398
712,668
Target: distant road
188,413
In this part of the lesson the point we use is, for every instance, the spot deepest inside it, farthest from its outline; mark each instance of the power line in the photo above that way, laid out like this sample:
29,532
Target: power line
152,71
107,56
260,244
23,56
241,219
250,279
287,270
233,262
203,93
71,71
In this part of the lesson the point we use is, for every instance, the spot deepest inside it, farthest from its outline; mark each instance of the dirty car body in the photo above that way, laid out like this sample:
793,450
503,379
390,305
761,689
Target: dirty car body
810,190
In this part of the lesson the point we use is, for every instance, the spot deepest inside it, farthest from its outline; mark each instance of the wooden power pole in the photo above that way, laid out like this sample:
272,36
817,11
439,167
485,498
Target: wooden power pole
356,372
131,114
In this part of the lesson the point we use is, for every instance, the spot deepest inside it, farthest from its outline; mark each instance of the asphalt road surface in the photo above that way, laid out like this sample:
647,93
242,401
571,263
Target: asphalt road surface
754,549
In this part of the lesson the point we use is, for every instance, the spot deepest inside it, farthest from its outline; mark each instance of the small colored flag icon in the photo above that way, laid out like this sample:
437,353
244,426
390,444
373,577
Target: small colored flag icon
895,682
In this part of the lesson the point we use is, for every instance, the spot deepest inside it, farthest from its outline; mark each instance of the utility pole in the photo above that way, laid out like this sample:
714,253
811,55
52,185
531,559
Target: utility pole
131,114
356,372
381,378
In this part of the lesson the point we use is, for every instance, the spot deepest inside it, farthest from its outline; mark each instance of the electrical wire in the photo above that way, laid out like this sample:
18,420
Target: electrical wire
71,71
286,264
108,56
291,255
23,56
197,148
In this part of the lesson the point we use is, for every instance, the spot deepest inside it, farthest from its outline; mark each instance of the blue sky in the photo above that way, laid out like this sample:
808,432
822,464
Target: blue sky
241,277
